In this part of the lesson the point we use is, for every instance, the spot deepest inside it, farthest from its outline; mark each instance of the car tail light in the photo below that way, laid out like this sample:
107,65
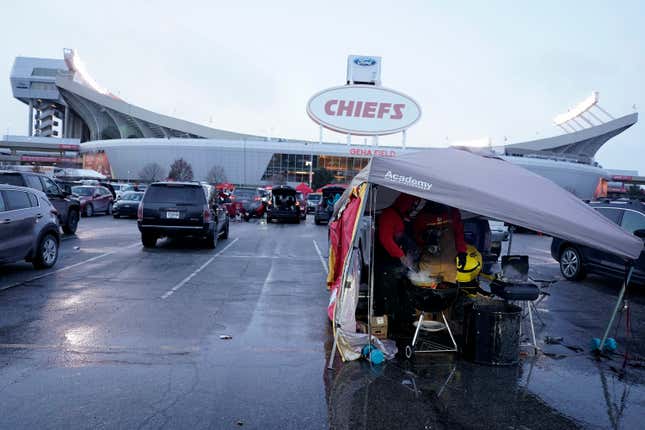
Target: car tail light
140,212
207,214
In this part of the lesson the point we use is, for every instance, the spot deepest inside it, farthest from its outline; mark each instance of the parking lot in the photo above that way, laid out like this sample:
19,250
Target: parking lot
116,335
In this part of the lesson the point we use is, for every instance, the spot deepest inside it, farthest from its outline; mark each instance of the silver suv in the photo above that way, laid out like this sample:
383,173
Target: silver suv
29,227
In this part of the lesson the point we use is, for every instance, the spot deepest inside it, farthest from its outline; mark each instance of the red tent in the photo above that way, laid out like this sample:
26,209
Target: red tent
304,188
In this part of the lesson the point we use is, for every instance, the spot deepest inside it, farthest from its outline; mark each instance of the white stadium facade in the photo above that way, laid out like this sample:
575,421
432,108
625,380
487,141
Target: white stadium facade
119,139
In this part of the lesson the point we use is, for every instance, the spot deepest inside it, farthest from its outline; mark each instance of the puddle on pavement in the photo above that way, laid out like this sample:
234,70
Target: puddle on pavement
447,392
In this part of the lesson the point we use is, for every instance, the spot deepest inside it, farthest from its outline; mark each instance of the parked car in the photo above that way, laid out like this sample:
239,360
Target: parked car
312,201
283,205
247,201
94,199
29,228
302,205
325,208
119,189
68,206
499,233
576,260
127,205
179,209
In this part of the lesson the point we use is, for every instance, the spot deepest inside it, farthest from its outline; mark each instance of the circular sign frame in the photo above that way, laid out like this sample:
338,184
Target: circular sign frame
363,110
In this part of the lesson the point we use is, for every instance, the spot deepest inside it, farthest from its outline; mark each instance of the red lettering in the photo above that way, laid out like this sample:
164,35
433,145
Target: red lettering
357,111
328,106
345,108
369,110
398,111
383,108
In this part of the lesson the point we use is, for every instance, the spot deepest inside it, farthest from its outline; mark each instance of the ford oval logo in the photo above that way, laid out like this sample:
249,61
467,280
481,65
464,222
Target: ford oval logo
364,61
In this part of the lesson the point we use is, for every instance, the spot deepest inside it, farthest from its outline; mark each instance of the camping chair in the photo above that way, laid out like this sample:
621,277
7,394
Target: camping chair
513,285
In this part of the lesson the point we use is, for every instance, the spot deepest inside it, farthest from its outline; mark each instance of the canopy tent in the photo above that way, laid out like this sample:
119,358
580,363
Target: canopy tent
500,190
304,188
482,185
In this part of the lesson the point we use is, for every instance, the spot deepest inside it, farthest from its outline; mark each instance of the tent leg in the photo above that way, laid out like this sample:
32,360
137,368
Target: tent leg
617,307
511,229
330,364
535,347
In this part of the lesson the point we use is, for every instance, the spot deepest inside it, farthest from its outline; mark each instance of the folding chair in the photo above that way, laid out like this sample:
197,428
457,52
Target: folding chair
514,286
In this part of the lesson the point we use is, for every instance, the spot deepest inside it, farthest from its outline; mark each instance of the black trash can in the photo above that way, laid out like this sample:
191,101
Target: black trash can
492,333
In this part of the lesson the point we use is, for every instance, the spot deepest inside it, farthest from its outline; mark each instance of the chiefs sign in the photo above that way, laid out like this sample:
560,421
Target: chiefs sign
363,110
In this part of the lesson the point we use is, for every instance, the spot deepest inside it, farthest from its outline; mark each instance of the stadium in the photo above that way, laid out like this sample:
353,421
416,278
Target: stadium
118,139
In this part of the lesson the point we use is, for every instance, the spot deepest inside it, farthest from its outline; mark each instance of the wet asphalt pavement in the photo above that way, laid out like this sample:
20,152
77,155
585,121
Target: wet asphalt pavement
116,336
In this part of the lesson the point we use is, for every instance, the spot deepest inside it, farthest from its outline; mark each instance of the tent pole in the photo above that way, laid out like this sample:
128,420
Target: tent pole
511,229
370,300
618,304
330,364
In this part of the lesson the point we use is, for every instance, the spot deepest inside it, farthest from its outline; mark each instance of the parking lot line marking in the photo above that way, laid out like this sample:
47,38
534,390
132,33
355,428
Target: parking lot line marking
196,271
62,269
322,260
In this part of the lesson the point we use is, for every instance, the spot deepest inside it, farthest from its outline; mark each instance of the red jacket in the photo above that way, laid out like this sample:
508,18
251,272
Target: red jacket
391,226
452,216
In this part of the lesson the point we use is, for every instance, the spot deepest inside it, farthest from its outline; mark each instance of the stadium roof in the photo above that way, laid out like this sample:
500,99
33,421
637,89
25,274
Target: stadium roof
580,145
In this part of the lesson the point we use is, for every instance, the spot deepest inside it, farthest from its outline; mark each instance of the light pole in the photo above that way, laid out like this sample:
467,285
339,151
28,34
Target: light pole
310,164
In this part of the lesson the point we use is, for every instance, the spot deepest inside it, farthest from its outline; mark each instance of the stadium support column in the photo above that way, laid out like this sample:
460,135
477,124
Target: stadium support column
30,122
66,122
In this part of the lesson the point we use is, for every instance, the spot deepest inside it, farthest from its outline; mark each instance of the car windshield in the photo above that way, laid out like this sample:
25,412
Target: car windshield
177,194
82,191
135,197
11,179
314,197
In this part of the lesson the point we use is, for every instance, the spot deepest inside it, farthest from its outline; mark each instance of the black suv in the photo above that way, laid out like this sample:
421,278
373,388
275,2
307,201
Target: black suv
284,205
68,207
172,209
577,260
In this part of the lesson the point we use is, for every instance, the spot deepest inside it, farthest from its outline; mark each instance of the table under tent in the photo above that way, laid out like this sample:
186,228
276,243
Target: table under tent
475,184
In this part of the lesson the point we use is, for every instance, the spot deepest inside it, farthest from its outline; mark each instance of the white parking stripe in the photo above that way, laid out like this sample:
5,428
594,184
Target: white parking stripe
322,260
195,272
62,269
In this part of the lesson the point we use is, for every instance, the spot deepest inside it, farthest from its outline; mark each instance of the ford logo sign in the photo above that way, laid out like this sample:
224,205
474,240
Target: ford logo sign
364,61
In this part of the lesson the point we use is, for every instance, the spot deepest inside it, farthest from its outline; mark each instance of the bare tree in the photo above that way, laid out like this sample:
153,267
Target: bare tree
216,175
151,172
180,170
278,179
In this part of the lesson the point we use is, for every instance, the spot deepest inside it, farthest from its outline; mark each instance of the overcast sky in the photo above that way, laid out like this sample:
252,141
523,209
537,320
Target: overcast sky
493,69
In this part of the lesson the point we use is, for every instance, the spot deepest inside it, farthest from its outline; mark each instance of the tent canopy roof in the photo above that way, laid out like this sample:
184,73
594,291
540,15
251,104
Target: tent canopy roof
500,190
